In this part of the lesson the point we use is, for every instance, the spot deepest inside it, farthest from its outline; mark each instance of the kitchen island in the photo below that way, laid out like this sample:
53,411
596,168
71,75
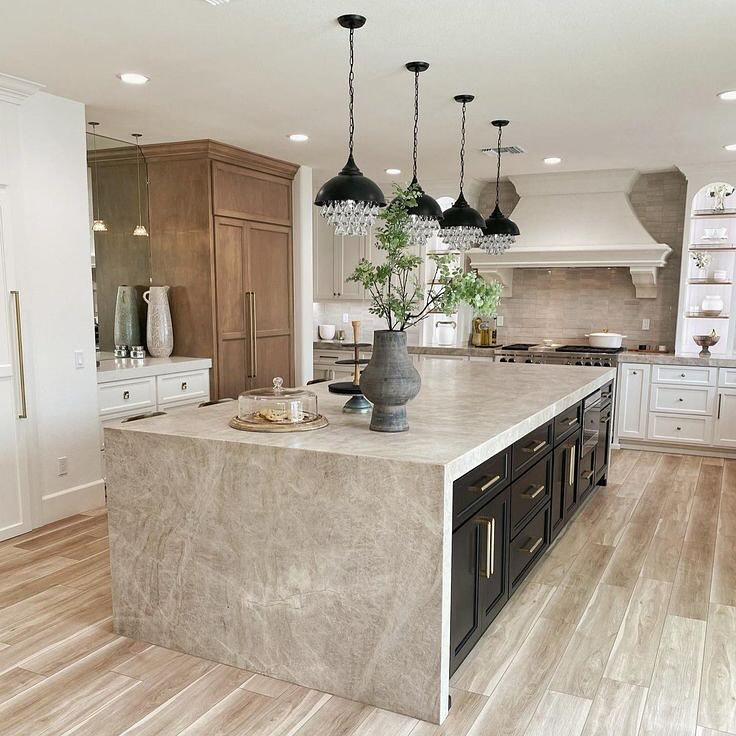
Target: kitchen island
325,558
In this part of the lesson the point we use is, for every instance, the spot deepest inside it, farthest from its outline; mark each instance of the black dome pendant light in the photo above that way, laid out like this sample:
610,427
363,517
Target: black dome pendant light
350,201
462,225
426,215
499,232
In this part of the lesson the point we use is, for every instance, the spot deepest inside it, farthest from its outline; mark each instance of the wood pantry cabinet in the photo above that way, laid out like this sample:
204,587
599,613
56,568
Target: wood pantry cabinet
507,511
221,237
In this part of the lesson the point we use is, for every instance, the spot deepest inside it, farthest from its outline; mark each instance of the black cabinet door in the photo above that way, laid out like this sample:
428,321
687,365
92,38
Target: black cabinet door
479,575
564,483
603,448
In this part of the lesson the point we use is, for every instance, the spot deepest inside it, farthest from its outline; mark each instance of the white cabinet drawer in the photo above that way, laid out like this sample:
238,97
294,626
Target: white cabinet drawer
727,378
127,397
681,399
684,375
680,429
178,388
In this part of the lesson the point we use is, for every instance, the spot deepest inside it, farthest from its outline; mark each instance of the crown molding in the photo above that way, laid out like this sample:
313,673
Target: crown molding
15,90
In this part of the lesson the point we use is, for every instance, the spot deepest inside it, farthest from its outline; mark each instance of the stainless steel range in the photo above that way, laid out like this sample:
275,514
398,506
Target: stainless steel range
558,354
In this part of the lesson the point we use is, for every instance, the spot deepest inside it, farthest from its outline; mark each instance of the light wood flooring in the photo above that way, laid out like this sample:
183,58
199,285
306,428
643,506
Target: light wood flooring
626,628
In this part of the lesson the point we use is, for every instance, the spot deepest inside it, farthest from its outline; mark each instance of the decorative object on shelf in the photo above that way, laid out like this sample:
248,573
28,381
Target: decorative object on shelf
426,214
120,351
140,229
446,331
702,261
499,232
712,305
159,330
462,226
350,201
357,403
706,342
720,276
126,327
719,191
278,409
326,332
484,333
137,351
715,233
98,224
340,335
390,379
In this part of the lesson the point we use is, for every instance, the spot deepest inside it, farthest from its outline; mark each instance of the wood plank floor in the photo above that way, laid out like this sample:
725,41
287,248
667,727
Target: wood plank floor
626,628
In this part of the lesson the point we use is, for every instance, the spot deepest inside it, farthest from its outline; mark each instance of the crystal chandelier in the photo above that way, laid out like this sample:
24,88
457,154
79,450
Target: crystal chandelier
426,214
140,229
350,201
461,226
98,224
499,232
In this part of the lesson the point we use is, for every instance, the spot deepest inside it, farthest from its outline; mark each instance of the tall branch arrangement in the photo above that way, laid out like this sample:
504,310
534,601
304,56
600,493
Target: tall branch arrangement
397,294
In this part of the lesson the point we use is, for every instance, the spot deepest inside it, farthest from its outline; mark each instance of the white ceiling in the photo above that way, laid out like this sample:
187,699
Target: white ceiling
603,84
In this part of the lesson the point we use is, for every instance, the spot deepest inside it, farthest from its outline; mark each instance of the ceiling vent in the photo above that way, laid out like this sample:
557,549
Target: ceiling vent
504,149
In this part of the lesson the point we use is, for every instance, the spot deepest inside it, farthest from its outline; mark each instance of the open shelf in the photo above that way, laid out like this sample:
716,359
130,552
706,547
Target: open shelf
713,214
689,315
713,248
711,282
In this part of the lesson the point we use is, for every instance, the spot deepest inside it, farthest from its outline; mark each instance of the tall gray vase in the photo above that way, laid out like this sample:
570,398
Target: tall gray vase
126,329
389,381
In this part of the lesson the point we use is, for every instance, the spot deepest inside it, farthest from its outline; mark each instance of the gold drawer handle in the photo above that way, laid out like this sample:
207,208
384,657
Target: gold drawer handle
183,385
490,568
572,421
532,548
589,475
490,482
21,362
126,395
535,448
533,494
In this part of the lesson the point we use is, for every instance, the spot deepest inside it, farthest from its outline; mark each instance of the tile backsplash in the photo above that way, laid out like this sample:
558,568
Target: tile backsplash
331,313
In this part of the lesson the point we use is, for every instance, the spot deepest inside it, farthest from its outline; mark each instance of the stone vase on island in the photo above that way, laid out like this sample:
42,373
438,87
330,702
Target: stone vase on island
389,381
159,329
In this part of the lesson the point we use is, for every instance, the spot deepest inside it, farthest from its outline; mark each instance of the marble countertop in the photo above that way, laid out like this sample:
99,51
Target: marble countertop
715,361
439,350
464,413
119,369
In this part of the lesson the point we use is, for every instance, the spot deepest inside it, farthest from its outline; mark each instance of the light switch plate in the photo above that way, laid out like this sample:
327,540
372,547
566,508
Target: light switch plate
62,467
499,321
345,318
645,324
79,358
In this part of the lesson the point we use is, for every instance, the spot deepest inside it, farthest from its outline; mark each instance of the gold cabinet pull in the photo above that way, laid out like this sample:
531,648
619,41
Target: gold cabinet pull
572,421
531,548
532,493
252,349
532,448
490,568
21,367
571,475
485,486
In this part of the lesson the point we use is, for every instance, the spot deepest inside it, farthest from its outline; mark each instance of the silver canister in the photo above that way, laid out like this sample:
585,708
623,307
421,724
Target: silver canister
121,351
137,351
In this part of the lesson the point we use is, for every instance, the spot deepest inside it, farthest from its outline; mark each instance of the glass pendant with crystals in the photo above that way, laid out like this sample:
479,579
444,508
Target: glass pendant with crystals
350,201
499,232
98,225
462,226
140,229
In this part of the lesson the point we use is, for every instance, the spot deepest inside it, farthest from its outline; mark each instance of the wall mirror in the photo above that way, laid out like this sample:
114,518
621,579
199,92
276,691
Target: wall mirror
117,177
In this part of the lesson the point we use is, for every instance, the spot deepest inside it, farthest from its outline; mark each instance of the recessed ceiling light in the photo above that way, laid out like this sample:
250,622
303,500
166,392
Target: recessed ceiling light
730,147
133,78
217,2
552,160
729,94
298,137
393,172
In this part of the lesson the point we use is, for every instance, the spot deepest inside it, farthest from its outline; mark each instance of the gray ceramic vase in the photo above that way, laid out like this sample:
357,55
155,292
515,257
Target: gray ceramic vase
126,329
389,381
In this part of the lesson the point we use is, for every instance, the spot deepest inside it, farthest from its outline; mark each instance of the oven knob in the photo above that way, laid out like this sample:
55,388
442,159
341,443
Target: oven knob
598,363
578,362
512,360
528,360
589,362
502,360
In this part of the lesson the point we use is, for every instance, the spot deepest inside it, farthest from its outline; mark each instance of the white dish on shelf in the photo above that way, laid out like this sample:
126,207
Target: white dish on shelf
715,233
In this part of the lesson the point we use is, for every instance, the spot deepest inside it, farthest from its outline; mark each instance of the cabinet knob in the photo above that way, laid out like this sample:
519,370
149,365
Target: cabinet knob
680,399
682,375
183,385
633,373
126,395
678,428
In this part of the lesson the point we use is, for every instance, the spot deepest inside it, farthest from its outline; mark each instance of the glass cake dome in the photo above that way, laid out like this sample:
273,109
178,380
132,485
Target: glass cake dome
277,405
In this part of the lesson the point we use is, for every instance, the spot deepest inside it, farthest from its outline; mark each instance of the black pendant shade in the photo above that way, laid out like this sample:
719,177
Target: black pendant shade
498,224
461,214
350,201
426,206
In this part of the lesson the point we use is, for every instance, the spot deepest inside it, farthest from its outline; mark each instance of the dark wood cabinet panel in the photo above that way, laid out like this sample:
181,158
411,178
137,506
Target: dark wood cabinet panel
603,448
478,485
479,575
526,451
564,483
250,195
586,474
568,421
527,547
530,491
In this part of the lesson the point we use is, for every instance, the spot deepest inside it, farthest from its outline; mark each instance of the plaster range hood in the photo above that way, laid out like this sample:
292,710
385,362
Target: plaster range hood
578,219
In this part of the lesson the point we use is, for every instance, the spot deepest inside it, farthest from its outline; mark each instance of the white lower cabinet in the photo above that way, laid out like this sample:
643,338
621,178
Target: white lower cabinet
682,399
633,395
724,433
683,429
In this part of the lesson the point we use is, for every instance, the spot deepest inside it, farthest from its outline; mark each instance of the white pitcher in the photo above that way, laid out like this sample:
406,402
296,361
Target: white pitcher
159,330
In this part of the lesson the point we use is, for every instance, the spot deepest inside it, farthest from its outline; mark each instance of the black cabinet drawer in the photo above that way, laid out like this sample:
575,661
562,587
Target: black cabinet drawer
607,393
479,485
568,421
528,546
526,451
586,474
530,491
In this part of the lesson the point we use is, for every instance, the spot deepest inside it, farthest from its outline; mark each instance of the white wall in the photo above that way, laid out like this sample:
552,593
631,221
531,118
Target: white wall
302,233
50,244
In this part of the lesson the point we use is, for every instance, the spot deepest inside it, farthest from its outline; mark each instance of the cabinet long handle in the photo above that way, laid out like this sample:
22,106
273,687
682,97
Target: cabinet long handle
532,448
490,568
532,493
252,322
485,486
571,476
532,548
21,367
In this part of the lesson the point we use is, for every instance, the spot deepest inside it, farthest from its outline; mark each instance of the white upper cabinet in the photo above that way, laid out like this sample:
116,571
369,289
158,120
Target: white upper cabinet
335,258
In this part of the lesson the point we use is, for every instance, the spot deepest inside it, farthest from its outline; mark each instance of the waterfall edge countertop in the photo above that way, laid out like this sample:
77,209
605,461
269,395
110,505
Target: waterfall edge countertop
321,558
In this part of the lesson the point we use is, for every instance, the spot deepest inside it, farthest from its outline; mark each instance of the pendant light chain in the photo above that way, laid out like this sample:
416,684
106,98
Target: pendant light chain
351,93
462,151
498,164
416,123
138,175
97,179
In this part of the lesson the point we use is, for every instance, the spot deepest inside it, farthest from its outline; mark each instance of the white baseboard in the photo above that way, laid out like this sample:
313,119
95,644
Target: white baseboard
677,450
70,501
